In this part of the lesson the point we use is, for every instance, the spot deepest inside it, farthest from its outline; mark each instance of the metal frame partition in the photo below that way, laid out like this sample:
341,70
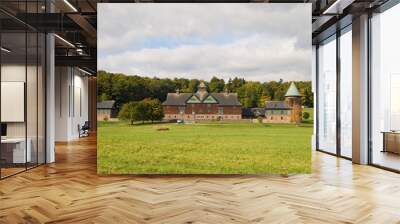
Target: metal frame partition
340,30
382,8
40,118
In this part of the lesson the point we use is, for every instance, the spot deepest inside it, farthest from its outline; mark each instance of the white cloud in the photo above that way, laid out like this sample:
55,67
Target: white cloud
254,41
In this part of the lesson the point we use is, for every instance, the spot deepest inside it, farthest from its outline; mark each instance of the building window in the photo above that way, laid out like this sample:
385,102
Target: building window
327,95
220,110
385,89
346,94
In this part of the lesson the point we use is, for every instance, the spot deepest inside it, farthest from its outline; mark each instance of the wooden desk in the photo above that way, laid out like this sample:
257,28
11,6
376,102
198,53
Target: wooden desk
13,150
391,141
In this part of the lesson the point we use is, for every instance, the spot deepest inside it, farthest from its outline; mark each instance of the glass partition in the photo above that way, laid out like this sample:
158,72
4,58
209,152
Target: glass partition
22,88
385,89
13,117
346,93
327,96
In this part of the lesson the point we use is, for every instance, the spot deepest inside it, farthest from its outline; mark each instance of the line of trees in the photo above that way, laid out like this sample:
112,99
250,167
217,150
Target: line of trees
124,89
144,110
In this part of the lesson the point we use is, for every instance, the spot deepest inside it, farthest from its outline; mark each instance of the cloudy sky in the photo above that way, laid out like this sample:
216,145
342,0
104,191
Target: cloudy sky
256,41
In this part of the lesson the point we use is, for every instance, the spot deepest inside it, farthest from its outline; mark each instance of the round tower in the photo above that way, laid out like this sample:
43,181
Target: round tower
293,100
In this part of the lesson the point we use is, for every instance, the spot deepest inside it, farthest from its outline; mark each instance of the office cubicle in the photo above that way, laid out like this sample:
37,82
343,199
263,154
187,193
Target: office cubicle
22,94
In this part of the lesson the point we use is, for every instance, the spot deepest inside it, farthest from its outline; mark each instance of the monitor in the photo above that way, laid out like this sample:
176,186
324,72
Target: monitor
3,129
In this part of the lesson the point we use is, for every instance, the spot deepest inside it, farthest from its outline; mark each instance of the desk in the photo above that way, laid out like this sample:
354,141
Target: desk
13,150
391,141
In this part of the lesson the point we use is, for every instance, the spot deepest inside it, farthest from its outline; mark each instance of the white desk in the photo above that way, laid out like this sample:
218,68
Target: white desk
19,154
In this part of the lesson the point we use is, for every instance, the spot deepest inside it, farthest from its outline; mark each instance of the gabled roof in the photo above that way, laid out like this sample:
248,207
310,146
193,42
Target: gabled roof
210,99
107,104
223,99
227,99
193,99
177,99
202,96
276,105
292,91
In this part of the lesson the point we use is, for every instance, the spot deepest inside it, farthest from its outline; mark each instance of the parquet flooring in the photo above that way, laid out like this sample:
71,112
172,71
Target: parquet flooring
70,191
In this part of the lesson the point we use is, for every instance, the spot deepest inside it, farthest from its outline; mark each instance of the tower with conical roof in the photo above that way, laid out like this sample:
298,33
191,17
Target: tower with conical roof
293,99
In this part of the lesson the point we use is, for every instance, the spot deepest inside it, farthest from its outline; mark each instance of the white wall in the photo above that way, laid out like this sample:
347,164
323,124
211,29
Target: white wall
71,102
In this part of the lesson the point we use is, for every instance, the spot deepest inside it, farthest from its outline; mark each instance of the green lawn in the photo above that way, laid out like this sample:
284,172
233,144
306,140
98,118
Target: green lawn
212,148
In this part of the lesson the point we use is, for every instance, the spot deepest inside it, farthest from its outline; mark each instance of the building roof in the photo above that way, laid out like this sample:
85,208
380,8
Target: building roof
293,91
177,99
107,104
202,96
226,99
223,99
276,105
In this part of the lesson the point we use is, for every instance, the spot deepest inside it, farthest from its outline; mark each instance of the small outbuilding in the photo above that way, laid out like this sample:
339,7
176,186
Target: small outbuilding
287,111
106,110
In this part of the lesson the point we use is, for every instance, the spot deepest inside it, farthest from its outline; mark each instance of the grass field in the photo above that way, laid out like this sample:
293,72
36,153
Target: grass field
211,148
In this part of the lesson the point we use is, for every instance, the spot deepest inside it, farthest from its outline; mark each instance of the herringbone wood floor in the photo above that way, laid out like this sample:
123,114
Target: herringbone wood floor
69,191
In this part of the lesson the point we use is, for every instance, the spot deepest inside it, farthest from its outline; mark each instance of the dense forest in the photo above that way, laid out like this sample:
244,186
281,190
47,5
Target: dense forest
123,88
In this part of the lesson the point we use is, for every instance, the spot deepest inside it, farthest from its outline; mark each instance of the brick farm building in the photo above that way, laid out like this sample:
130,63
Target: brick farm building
202,105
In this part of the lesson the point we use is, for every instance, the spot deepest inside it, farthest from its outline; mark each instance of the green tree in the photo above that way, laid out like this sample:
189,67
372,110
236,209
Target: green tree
193,85
216,85
127,88
249,94
307,99
155,111
142,111
127,112
306,115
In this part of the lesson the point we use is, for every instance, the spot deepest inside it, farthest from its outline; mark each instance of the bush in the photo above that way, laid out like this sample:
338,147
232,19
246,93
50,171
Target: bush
260,120
306,115
105,118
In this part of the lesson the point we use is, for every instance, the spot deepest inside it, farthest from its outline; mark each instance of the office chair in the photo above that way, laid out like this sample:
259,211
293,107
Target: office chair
84,130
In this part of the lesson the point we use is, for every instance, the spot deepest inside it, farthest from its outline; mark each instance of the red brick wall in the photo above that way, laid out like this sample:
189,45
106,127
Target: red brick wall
203,109
171,109
232,110
277,119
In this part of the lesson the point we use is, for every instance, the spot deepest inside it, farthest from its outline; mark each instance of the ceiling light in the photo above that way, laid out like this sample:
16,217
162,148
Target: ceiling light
337,7
5,50
64,40
84,71
70,5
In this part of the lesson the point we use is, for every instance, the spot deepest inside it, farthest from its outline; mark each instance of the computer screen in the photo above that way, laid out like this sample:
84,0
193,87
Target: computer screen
3,129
